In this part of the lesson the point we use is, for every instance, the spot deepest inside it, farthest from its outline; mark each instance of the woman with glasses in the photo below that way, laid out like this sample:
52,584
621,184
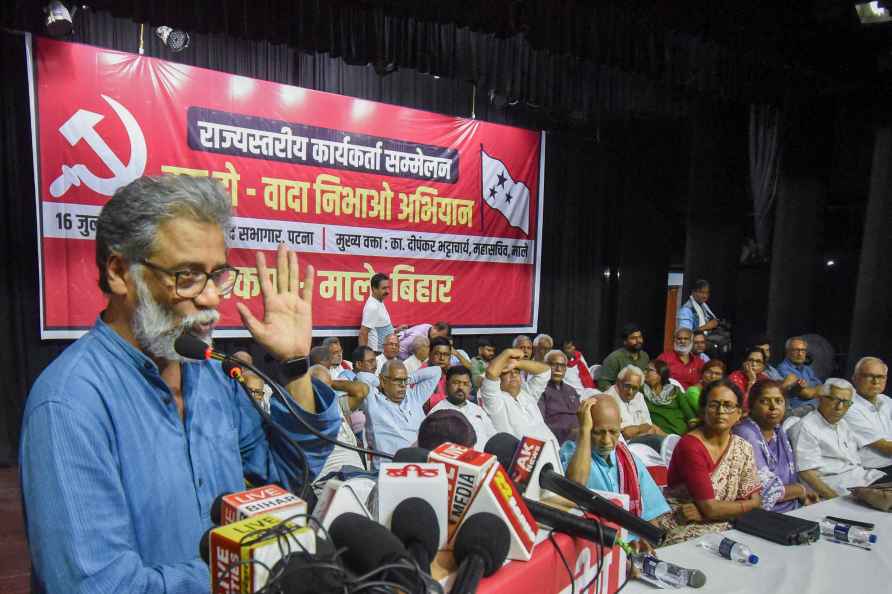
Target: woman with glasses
712,474
669,410
751,370
775,462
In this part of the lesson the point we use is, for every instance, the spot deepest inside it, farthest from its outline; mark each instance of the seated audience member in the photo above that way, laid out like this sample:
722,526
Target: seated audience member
486,350
394,405
458,388
542,344
751,370
338,368
669,409
870,417
773,374
600,460
712,474
695,313
826,449
391,348
445,426
775,462
319,355
525,345
578,376
511,403
431,331
341,456
459,357
440,356
631,353
560,402
364,359
699,342
804,384
684,367
636,423
421,348
712,372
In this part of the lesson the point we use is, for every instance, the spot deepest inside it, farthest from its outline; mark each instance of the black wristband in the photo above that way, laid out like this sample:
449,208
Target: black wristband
293,369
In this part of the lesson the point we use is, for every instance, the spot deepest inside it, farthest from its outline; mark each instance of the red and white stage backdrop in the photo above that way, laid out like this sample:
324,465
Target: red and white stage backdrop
450,208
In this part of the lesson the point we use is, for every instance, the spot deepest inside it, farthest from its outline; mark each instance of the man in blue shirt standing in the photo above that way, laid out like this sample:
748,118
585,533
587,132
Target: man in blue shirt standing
126,444
600,460
802,381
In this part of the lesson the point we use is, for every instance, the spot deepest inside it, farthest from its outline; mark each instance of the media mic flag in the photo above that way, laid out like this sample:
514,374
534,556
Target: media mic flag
501,192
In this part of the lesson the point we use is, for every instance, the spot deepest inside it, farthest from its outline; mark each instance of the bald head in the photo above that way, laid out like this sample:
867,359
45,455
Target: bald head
605,425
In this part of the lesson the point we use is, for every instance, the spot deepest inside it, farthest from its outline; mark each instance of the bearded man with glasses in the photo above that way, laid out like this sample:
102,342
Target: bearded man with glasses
870,417
125,443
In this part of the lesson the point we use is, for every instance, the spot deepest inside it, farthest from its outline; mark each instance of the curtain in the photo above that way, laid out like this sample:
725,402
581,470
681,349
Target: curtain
765,144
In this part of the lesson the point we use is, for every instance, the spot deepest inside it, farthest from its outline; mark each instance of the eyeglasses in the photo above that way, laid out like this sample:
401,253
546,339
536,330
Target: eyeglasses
558,365
627,386
403,381
837,402
727,407
191,283
756,361
873,377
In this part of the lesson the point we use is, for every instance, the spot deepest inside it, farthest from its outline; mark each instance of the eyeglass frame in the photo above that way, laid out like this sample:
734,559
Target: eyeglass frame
726,407
837,401
198,273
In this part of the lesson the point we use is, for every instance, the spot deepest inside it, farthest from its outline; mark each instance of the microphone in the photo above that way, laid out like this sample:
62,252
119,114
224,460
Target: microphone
525,458
407,455
567,523
367,544
415,524
240,554
481,547
339,497
269,499
399,482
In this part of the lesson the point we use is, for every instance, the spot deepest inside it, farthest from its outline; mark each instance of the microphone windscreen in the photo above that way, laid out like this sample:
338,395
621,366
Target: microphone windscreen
486,535
204,546
502,446
414,520
368,544
191,347
407,455
216,507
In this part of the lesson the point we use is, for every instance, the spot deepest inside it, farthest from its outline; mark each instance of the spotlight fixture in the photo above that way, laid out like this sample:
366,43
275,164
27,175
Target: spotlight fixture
58,19
831,263
175,39
871,13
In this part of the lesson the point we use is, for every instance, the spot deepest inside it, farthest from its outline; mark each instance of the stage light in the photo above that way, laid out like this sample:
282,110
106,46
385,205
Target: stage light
871,13
58,19
175,39
831,263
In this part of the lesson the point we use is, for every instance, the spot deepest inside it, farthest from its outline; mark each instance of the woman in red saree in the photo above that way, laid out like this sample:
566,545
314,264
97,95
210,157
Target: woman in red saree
712,474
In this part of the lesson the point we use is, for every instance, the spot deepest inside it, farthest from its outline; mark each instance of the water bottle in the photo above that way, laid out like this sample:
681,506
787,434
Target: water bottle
845,533
729,549
667,575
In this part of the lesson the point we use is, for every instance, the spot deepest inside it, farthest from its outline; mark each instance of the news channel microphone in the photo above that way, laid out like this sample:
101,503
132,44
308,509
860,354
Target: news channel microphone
268,499
481,547
416,524
522,461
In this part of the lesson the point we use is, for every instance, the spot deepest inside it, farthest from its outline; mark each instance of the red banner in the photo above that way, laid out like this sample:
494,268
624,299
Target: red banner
449,208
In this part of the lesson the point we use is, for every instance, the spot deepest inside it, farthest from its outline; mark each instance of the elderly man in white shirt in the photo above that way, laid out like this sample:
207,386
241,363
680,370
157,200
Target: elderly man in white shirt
513,404
826,448
458,388
635,422
870,417
420,349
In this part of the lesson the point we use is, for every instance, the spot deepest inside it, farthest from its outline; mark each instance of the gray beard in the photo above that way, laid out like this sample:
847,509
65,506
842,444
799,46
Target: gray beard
683,350
156,328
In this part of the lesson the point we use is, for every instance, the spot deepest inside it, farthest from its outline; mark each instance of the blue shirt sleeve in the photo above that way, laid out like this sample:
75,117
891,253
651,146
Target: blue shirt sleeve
86,537
652,501
685,318
326,421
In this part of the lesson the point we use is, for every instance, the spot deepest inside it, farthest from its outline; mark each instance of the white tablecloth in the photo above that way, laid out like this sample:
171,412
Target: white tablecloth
822,567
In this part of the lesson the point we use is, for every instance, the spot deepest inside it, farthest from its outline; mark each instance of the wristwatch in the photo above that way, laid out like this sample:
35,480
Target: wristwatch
293,369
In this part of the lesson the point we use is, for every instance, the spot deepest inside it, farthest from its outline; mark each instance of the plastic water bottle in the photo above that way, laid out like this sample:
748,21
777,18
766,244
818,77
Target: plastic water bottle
667,575
846,533
729,549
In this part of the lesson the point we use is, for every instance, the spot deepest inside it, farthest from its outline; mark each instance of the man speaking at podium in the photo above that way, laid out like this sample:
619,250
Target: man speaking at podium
125,444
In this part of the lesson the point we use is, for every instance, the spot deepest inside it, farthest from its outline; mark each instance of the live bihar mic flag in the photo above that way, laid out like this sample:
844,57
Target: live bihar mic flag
503,193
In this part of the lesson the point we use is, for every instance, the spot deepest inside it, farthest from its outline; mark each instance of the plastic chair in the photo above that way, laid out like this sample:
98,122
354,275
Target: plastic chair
668,447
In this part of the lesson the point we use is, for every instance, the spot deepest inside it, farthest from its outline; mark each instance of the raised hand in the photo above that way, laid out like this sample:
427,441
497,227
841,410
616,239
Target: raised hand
287,326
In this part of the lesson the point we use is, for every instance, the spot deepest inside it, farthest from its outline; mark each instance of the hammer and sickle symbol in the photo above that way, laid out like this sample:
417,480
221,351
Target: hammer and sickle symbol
82,126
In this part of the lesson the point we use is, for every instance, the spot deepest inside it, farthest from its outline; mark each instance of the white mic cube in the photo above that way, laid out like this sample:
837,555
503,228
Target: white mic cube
400,481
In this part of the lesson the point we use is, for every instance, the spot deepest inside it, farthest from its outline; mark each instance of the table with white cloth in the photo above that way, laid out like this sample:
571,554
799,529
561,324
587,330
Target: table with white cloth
821,567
